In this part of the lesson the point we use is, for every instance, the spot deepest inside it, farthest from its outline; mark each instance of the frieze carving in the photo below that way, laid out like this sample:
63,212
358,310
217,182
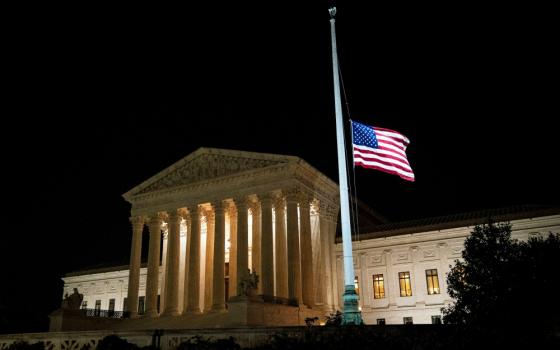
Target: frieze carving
376,260
533,235
456,251
402,257
429,254
207,166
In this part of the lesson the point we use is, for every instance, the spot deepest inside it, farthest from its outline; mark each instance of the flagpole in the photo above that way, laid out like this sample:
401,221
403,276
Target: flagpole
351,314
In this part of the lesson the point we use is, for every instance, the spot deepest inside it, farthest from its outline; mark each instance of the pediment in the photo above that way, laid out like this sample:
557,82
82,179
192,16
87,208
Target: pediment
206,164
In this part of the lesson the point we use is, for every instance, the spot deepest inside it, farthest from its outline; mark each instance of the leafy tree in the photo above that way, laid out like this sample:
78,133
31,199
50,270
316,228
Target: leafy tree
505,284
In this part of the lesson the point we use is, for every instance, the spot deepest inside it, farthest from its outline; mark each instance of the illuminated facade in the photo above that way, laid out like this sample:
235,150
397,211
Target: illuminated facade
401,267
218,215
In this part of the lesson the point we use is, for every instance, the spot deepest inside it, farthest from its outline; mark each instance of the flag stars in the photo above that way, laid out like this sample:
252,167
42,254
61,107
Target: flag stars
364,135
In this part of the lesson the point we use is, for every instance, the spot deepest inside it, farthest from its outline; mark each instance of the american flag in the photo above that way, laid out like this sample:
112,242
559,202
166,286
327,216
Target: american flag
381,149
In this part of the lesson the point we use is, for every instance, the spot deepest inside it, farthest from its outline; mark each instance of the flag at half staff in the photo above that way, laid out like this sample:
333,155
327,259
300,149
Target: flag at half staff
381,149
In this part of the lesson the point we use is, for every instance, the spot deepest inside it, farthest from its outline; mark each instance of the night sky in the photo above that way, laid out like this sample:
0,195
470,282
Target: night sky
98,101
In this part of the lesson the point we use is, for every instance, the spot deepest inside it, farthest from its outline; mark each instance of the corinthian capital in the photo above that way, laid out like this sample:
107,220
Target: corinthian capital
255,208
242,203
137,220
279,202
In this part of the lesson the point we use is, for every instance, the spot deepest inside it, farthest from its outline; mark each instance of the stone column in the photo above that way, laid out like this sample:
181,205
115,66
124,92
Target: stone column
209,266
306,251
163,269
232,249
256,242
188,222
319,287
267,247
193,301
242,243
294,263
134,271
330,215
153,266
218,288
280,254
327,260
172,266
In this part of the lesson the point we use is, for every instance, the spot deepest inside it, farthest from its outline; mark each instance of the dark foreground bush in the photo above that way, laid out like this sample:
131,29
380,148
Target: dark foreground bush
413,337
199,343
113,342
23,345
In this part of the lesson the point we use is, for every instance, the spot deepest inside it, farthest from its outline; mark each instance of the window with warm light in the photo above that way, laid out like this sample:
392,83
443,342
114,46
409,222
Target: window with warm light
404,283
432,281
356,285
378,287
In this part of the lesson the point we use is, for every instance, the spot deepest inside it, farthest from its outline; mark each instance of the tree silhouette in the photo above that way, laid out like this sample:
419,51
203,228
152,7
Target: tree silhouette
505,285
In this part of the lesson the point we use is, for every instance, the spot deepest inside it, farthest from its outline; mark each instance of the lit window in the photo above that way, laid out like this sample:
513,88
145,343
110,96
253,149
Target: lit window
356,285
432,281
436,319
378,287
404,283
407,320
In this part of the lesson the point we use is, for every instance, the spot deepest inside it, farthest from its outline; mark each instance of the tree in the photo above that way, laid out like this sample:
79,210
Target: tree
504,283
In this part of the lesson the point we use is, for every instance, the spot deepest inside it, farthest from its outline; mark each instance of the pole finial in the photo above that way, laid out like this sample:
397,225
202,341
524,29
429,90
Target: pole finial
332,12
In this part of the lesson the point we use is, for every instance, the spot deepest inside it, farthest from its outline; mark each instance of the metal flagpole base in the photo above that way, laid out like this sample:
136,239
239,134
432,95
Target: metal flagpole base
351,314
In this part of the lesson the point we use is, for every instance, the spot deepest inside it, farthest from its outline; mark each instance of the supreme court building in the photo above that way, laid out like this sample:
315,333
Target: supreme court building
218,218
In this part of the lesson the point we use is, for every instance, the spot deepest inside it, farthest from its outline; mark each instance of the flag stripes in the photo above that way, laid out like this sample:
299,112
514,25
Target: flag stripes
381,149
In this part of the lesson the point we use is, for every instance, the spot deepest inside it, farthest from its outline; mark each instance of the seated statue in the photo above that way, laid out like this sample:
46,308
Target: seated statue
73,301
249,283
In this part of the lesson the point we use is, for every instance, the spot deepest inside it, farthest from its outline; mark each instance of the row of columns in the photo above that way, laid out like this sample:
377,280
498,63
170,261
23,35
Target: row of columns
285,266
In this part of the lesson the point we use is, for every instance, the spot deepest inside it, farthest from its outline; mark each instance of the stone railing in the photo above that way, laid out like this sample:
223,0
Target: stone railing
105,313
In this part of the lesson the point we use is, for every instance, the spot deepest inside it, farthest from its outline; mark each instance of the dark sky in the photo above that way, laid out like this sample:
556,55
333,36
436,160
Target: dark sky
99,99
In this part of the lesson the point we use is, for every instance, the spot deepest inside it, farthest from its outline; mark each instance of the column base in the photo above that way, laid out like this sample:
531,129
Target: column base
167,313
133,315
193,311
151,314
351,314
218,308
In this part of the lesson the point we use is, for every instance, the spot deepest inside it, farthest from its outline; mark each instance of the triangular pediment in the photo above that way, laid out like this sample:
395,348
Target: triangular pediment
206,164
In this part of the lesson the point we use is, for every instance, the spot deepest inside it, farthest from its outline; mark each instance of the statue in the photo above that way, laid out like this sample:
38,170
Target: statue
73,301
249,283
